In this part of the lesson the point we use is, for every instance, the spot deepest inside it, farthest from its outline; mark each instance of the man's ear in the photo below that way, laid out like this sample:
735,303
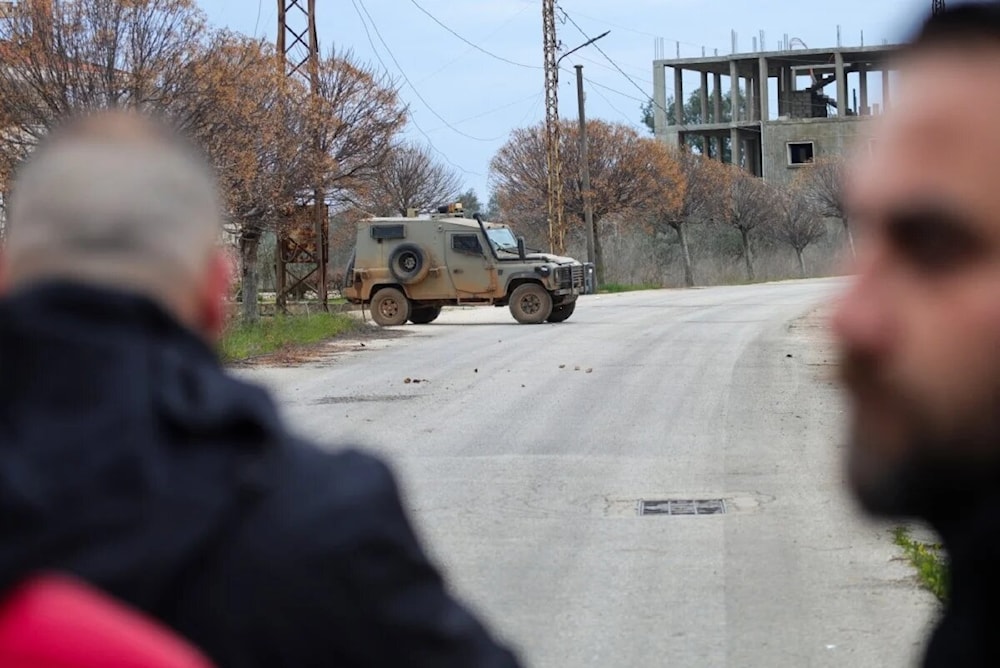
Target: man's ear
215,289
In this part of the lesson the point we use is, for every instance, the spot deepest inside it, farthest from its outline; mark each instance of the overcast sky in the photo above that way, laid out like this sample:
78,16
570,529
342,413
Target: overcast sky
483,98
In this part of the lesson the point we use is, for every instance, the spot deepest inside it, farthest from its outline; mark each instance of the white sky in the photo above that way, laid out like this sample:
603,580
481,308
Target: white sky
483,98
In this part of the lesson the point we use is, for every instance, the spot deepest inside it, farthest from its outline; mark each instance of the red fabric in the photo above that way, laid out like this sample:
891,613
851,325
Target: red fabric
57,622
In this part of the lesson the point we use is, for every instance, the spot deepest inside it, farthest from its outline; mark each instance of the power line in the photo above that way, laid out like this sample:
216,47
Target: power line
470,43
256,23
608,88
634,30
604,97
492,34
361,4
533,96
411,118
611,60
608,67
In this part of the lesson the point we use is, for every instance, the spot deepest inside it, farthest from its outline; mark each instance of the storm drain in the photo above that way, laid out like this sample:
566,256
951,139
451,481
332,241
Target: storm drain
683,507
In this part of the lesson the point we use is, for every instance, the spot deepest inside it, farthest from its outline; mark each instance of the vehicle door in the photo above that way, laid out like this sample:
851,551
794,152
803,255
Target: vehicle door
472,270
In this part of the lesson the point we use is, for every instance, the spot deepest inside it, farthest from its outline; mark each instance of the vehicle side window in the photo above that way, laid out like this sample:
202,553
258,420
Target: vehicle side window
466,243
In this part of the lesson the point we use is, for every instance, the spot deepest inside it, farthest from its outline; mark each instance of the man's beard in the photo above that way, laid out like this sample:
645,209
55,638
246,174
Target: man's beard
929,470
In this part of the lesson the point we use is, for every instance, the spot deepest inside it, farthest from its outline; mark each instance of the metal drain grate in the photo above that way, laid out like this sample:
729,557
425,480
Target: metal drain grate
683,507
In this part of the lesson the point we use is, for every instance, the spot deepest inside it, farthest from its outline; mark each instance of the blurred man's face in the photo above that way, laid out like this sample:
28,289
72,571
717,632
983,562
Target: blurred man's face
919,328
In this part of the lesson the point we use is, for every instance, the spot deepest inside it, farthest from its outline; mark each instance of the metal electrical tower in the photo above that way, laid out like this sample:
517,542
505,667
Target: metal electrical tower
304,240
557,235
937,6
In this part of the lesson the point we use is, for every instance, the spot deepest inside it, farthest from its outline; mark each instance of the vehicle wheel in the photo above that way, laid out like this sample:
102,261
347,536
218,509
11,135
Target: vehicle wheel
390,307
562,312
530,304
421,315
408,263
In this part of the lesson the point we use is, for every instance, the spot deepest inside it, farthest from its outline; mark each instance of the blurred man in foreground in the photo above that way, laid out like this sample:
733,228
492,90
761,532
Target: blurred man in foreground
129,458
919,328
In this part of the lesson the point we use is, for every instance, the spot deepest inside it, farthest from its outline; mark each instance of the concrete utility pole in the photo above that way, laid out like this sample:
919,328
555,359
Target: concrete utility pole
588,207
298,45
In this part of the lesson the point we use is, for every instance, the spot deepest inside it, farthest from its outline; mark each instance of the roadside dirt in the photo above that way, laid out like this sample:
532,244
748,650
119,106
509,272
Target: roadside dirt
368,337
821,354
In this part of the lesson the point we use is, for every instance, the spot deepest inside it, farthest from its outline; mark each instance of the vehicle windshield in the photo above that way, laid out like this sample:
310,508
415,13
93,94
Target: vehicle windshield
502,238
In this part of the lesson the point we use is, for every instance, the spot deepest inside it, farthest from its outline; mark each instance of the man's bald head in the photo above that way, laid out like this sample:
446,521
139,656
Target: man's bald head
114,199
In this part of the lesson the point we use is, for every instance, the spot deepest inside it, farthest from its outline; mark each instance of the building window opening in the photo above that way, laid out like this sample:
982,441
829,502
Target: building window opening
800,153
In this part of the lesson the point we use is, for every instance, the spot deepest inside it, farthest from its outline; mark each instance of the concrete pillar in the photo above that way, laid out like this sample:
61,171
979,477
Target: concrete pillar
781,90
734,140
748,85
787,88
762,92
717,95
679,95
659,97
734,88
841,84
704,97
863,74
885,90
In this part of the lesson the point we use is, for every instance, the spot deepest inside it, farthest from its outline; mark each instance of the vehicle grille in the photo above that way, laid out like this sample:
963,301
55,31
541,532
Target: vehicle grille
570,276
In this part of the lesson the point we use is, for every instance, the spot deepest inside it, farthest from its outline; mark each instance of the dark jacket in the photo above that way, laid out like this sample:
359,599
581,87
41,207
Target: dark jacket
966,636
129,458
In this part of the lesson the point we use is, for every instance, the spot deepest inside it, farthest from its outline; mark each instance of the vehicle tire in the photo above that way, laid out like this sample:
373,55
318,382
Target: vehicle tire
421,315
530,304
390,307
562,312
408,264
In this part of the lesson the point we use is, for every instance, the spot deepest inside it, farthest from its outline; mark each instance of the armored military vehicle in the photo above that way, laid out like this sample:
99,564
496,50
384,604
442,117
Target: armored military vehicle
407,269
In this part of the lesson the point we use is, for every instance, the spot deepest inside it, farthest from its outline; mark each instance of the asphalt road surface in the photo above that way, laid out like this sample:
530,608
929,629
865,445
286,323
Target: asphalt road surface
524,452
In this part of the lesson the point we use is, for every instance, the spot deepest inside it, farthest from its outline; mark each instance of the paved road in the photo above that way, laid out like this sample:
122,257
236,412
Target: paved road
524,475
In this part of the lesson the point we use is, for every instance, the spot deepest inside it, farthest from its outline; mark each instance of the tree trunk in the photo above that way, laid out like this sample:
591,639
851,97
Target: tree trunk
850,236
685,254
249,244
745,234
598,254
802,263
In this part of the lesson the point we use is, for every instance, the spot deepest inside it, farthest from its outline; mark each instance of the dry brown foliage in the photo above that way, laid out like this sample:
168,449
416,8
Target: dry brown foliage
627,175
270,140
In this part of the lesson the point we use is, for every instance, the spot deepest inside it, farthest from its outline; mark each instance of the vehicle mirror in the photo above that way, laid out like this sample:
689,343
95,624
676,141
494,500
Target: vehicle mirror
520,248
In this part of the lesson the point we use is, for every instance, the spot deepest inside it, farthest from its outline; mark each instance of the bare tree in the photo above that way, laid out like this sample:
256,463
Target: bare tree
269,138
822,184
411,178
798,224
356,117
692,193
751,204
624,169
65,57
253,125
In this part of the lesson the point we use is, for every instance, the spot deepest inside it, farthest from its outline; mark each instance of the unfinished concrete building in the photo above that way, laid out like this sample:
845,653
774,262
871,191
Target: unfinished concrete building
782,115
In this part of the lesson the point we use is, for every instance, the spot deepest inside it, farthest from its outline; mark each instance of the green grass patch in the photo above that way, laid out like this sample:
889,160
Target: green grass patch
929,561
624,287
272,334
